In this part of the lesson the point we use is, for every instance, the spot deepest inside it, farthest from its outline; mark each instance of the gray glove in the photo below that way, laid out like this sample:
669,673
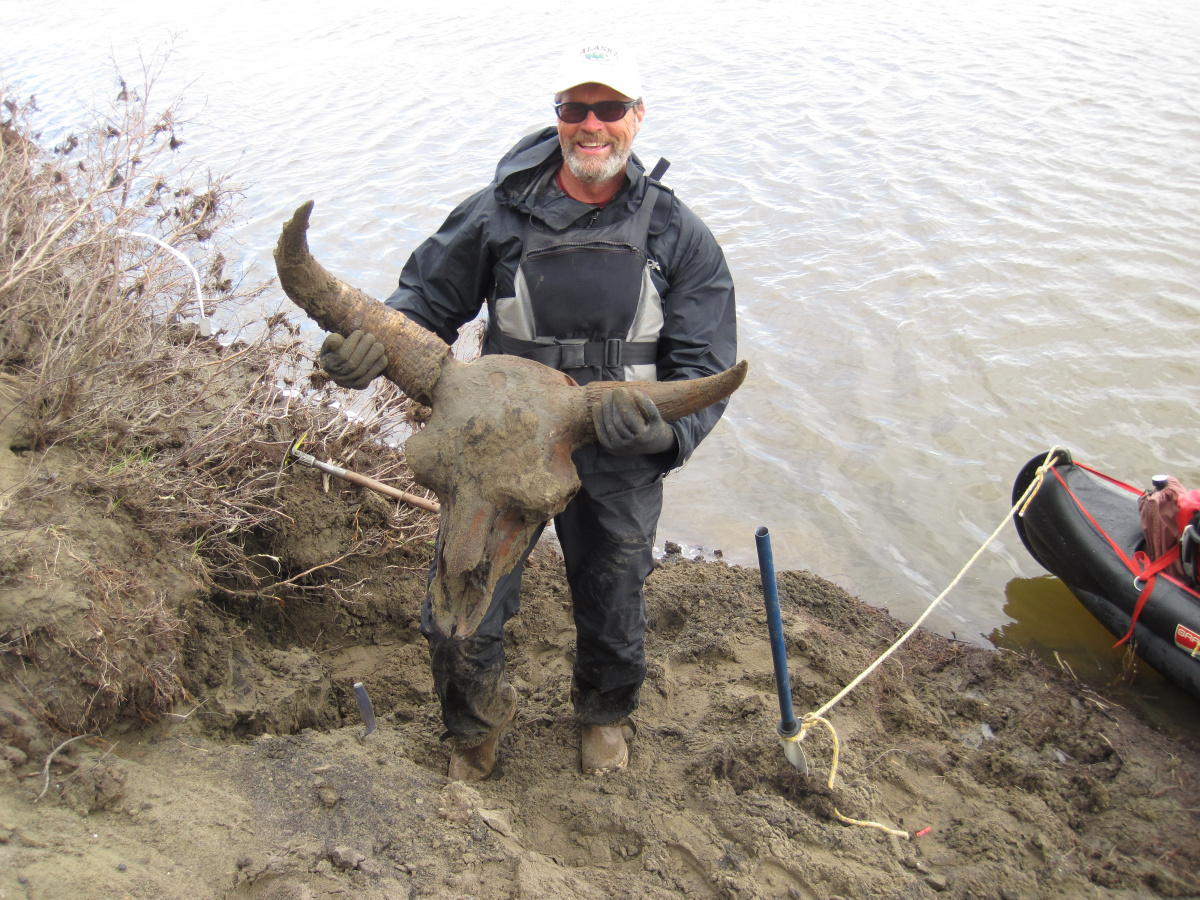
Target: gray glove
628,422
353,362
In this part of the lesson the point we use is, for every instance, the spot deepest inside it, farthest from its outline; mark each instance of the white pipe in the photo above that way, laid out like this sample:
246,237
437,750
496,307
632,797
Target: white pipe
205,323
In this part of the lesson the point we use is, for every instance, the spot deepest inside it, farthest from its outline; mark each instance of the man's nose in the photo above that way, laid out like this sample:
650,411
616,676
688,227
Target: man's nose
592,123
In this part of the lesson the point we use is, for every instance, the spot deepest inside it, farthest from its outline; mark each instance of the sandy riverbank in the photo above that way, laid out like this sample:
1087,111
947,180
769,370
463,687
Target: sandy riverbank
258,781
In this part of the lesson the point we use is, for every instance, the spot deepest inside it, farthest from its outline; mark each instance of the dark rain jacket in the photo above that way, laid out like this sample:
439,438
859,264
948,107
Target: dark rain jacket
474,257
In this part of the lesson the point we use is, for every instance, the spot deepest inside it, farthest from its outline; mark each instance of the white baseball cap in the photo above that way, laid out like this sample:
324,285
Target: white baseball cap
600,61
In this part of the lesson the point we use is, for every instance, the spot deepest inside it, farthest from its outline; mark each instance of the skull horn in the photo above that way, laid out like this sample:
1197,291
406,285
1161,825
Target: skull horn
674,399
340,308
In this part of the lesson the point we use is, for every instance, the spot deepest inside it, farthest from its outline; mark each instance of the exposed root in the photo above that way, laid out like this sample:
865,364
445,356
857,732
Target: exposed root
50,759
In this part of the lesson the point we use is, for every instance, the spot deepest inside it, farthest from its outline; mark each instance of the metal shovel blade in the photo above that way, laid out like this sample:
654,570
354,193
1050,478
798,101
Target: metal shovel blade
795,755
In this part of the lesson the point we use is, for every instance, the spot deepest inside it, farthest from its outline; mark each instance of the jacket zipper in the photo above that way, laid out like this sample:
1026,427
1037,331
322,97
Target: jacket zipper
571,246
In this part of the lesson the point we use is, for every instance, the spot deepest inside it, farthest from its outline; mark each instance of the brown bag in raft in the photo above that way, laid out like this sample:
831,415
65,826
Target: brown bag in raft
1165,513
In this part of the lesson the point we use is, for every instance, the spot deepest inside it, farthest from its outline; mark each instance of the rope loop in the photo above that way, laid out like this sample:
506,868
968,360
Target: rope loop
833,766
1035,485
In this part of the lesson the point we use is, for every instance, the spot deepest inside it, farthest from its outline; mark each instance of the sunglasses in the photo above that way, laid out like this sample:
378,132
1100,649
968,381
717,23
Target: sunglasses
606,110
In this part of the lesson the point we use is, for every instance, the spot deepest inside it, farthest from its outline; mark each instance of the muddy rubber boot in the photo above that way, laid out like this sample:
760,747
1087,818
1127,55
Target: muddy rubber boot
602,749
476,763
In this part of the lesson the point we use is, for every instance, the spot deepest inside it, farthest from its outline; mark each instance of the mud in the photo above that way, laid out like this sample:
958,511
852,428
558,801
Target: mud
251,776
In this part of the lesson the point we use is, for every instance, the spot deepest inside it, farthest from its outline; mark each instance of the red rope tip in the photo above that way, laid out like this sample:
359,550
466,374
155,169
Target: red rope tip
924,831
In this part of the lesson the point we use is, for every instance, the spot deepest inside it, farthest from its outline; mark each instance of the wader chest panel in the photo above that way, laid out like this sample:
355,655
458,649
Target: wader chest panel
585,300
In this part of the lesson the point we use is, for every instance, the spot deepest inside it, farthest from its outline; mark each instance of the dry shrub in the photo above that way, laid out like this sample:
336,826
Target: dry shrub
85,304
184,437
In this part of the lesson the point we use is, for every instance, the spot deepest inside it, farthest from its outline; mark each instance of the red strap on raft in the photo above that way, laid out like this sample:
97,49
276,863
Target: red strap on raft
1149,570
1141,564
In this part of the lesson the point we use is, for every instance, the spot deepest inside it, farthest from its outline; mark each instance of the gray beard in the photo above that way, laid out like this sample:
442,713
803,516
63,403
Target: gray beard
593,171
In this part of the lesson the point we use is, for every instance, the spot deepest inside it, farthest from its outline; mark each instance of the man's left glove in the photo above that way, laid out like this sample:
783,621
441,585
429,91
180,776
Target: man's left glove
353,362
628,422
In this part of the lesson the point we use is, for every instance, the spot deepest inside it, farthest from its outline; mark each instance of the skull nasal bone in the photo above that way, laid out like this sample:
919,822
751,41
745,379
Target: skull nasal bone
464,547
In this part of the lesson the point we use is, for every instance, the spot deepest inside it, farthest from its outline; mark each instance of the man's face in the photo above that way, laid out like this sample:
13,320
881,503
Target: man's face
597,151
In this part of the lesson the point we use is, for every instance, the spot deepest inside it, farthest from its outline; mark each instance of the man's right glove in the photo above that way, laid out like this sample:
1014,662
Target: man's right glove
628,422
353,362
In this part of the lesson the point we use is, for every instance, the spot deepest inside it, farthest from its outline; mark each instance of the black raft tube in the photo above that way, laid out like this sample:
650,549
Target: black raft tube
788,727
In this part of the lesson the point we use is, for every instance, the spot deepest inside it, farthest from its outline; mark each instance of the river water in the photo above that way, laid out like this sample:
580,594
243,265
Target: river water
961,233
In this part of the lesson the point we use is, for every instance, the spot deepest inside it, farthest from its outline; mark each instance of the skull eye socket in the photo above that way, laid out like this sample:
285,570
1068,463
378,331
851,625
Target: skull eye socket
421,454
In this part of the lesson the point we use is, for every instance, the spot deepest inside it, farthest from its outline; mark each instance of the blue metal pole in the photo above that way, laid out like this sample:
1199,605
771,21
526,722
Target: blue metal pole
788,726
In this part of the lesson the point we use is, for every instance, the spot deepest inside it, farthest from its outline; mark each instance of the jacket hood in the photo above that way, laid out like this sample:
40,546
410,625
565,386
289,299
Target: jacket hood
525,181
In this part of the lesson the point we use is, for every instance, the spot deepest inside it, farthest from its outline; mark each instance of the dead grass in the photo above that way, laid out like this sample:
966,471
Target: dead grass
180,440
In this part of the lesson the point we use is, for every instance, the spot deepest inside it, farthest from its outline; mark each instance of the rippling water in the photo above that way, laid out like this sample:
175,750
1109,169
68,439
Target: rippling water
960,235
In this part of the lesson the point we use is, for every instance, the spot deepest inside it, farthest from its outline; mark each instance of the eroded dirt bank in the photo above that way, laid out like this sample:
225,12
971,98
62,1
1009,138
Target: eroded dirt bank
261,785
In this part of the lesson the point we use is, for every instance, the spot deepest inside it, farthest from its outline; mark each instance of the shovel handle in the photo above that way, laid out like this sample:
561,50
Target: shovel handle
783,685
363,480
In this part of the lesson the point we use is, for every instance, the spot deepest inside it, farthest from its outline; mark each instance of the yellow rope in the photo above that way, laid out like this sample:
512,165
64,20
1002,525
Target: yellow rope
1028,495
808,720
849,821
833,775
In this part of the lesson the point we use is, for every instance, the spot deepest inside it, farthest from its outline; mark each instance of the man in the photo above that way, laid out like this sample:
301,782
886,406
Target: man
590,266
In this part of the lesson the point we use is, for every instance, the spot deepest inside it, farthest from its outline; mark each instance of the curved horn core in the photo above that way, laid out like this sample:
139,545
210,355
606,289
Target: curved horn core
415,355
674,399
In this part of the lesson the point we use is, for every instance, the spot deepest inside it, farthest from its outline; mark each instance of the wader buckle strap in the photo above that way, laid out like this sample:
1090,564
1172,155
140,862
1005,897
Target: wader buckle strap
579,354
612,352
662,196
571,356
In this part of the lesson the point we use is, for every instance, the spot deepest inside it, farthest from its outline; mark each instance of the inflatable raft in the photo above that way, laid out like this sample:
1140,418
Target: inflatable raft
1083,526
